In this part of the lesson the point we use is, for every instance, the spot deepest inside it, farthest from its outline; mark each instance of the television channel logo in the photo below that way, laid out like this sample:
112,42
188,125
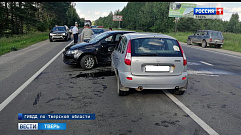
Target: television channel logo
27,126
208,11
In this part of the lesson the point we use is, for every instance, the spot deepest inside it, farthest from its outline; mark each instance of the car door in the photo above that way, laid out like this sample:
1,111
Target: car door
195,36
200,37
106,45
117,52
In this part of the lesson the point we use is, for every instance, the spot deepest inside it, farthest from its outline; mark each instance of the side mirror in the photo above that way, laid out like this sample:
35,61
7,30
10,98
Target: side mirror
111,49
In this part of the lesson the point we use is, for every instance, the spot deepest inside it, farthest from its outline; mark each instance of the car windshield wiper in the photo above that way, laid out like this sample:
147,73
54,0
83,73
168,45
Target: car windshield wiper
152,54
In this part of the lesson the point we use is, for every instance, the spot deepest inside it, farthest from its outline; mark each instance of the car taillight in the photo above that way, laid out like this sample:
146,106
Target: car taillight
128,54
183,55
210,39
222,41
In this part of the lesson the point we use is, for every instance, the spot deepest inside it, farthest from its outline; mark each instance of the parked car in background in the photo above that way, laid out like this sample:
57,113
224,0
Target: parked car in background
97,50
149,61
59,33
206,38
97,31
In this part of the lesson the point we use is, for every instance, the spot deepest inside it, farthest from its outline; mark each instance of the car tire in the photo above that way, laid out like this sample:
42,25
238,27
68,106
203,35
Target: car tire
178,92
182,90
66,38
189,41
218,46
120,92
204,44
51,40
87,62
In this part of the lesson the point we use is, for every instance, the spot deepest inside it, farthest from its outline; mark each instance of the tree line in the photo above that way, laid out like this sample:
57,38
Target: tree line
23,17
153,16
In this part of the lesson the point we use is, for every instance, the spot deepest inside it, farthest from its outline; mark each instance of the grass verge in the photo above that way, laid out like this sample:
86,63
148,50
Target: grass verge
21,41
231,41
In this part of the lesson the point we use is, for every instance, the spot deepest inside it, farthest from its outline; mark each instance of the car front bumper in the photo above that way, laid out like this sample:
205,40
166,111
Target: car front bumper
58,37
69,59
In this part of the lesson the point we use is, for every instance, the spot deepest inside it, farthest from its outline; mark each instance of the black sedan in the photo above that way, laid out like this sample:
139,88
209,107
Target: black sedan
59,33
97,50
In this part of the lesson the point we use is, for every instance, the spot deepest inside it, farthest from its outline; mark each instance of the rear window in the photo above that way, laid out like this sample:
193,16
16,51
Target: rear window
98,31
214,33
155,47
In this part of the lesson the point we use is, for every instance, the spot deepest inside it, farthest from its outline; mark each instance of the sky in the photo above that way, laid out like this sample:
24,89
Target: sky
93,10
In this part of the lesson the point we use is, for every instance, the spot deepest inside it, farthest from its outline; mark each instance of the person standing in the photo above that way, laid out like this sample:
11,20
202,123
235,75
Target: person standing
86,33
110,29
75,32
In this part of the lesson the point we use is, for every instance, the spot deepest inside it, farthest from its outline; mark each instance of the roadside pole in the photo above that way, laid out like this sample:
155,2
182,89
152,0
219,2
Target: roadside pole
117,18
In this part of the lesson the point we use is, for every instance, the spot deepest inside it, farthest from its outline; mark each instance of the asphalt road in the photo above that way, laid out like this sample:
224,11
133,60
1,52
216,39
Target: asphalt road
213,95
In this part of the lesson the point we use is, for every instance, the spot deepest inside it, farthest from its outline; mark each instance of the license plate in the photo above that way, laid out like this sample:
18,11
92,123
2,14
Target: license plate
57,36
157,68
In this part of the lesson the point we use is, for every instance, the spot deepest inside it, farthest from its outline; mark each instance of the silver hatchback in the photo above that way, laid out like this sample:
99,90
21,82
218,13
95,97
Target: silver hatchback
149,61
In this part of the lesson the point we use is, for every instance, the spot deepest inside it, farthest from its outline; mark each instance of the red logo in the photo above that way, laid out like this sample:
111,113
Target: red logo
219,11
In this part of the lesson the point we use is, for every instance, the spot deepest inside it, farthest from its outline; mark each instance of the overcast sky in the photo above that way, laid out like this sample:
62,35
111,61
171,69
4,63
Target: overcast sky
94,10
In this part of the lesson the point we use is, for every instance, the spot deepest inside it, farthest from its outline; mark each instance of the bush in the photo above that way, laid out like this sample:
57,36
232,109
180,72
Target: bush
42,27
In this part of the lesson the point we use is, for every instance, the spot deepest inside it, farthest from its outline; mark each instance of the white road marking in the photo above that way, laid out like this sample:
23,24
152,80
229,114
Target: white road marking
200,122
206,63
23,86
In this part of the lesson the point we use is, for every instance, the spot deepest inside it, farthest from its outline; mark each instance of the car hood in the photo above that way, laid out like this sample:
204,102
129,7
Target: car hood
59,32
80,45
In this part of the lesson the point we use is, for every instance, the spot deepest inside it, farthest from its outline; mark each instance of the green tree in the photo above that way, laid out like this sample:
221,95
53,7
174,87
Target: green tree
234,25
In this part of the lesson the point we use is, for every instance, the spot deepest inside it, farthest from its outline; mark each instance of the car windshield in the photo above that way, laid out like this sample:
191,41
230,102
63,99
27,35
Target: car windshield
58,29
98,31
98,38
155,47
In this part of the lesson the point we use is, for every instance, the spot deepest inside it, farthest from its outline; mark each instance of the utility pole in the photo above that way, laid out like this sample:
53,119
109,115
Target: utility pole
176,20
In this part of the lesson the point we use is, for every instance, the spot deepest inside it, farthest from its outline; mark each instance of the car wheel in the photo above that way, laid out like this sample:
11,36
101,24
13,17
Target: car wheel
218,46
87,62
51,40
178,92
181,91
120,92
66,38
204,44
189,41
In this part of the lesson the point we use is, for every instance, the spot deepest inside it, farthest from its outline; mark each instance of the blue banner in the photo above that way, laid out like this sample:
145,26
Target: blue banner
204,11
22,116
51,126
